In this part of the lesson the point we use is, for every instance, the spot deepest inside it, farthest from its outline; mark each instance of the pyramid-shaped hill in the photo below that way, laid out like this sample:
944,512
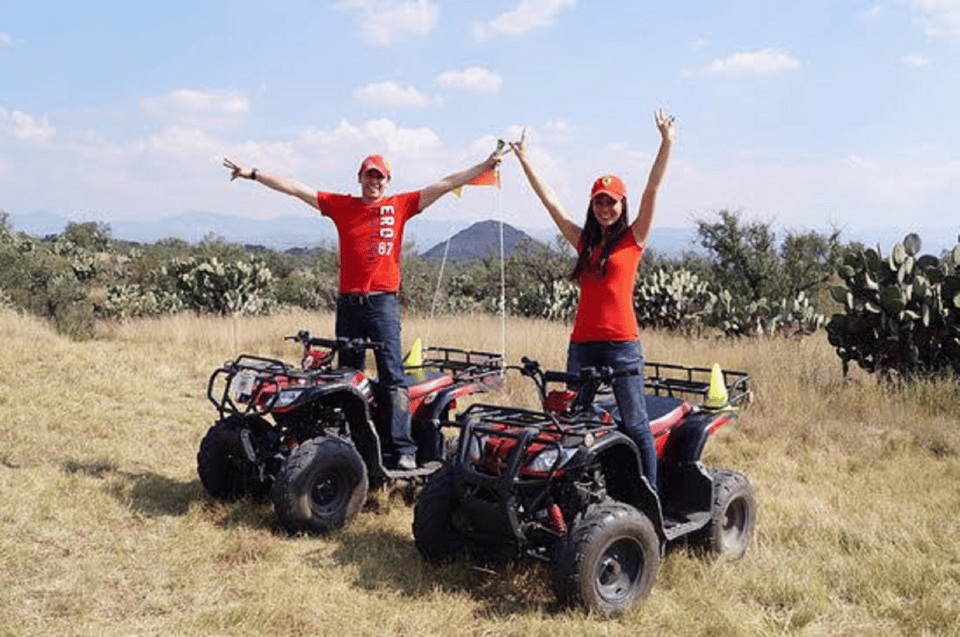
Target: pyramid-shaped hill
478,241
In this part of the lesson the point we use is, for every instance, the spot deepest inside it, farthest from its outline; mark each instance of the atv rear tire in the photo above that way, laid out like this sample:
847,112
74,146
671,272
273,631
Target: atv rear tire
728,533
608,561
433,531
224,468
322,486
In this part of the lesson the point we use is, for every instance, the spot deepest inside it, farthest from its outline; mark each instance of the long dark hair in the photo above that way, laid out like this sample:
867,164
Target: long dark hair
592,235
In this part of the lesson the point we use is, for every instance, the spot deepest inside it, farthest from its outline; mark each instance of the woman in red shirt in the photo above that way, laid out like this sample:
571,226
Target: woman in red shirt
605,332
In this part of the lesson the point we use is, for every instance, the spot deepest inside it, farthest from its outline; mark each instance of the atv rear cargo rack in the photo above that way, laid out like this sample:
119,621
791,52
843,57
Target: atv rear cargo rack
666,379
487,367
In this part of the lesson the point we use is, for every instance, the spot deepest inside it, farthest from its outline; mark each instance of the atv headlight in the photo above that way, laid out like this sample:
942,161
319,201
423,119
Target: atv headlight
475,449
241,385
287,397
546,460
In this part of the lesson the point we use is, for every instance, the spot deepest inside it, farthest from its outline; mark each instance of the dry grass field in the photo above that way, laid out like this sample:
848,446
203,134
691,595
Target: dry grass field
106,530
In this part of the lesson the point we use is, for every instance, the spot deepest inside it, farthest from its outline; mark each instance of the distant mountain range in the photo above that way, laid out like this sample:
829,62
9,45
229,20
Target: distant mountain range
285,233
282,233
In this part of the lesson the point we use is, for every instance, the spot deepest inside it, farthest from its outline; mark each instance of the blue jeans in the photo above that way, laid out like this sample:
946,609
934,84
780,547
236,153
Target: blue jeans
628,390
376,317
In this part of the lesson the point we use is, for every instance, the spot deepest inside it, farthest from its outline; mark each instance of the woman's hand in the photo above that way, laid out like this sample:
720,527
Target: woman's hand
519,147
664,124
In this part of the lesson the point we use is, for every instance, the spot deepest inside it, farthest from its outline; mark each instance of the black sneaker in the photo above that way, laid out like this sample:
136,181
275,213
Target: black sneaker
407,462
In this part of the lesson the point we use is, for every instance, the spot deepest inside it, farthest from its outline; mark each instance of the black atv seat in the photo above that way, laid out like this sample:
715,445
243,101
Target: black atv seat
663,412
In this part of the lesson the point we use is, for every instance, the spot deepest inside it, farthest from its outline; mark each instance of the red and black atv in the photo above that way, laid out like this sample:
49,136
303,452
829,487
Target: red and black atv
565,485
310,435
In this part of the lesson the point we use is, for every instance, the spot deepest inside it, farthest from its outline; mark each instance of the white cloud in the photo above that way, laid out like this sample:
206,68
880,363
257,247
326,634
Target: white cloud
855,191
872,13
6,40
26,127
762,62
391,94
526,16
384,22
474,79
198,106
349,140
179,141
939,18
914,60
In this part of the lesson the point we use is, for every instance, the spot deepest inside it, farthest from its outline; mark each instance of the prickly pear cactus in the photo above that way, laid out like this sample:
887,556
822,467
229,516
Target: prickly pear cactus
901,313
672,300
210,284
554,302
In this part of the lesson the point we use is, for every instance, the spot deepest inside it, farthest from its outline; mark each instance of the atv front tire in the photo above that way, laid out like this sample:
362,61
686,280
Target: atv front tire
608,561
222,463
728,533
433,531
322,486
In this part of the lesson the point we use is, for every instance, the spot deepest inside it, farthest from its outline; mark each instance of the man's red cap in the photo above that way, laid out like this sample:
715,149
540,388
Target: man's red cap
609,185
376,162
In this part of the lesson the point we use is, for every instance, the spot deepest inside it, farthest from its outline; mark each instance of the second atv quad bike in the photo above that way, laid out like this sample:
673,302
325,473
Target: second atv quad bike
564,485
310,435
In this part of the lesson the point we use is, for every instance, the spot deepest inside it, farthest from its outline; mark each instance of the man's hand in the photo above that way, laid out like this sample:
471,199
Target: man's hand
497,155
235,170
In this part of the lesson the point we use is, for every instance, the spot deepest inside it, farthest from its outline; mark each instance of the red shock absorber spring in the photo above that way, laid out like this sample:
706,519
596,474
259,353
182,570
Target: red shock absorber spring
556,519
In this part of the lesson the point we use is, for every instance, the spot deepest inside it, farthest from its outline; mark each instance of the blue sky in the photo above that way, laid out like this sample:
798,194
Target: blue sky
802,114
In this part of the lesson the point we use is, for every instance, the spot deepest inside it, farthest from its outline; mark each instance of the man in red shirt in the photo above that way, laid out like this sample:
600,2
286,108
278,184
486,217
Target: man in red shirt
370,232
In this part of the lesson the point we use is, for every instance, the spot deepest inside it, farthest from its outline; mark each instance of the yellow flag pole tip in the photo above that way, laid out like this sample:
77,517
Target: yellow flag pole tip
414,357
717,394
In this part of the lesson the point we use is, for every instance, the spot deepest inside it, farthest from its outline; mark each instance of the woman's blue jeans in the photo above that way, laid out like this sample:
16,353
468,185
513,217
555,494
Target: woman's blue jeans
376,317
628,390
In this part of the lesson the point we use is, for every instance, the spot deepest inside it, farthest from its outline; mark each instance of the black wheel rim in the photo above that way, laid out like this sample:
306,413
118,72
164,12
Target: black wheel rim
328,493
619,570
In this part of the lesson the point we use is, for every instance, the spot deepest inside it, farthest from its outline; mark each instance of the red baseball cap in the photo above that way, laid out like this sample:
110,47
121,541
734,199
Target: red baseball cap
609,185
376,162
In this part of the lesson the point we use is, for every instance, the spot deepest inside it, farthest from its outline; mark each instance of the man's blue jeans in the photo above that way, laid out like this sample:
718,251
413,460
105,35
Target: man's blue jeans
376,317
628,390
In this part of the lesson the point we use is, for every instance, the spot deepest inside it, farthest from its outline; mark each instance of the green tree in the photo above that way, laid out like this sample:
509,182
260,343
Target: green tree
90,236
810,260
37,279
745,256
751,266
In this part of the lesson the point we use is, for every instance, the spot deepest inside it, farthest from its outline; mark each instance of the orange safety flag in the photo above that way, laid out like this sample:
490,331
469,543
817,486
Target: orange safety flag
489,178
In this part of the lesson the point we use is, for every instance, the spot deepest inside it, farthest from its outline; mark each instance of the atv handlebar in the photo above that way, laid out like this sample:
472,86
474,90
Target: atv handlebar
334,344
599,375
587,382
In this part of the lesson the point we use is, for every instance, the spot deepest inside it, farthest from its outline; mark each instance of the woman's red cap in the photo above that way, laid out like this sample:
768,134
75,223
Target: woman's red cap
609,185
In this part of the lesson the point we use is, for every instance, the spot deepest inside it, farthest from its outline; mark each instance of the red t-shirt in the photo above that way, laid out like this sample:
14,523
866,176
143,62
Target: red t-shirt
370,238
605,312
